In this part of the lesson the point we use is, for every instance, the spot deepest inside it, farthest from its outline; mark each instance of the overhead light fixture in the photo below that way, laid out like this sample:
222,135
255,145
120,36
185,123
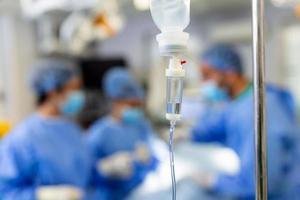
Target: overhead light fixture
141,4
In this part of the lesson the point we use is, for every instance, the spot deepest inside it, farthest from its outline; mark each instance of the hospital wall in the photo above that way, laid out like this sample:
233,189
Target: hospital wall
17,52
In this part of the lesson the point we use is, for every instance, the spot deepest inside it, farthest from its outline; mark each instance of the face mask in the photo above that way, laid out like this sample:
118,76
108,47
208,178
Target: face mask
212,92
132,116
73,104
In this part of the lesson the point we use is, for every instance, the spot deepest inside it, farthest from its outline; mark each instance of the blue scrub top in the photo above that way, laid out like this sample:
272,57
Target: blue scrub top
234,127
107,137
42,152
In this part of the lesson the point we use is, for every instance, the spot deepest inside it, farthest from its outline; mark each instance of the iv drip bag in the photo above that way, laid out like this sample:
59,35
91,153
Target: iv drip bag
171,17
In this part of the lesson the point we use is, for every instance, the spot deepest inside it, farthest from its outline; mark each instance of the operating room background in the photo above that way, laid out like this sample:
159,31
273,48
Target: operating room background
24,38
99,34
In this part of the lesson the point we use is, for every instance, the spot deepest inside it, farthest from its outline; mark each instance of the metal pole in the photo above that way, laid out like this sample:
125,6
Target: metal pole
259,99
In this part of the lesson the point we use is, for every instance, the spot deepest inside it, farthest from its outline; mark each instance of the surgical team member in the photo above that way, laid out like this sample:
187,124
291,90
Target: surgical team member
45,157
232,125
120,142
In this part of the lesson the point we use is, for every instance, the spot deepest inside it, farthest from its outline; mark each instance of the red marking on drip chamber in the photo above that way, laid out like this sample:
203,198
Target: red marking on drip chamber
183,62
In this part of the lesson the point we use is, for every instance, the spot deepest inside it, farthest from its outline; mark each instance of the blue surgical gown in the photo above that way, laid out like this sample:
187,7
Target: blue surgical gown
107,137
42,152
287,100
233,126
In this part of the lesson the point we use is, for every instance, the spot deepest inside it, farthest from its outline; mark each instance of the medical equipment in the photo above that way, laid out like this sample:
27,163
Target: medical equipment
172,17
172,164
36,8
80,28
258,43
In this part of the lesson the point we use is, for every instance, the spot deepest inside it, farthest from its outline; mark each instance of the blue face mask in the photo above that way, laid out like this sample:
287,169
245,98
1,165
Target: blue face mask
132,116
73,104
213,93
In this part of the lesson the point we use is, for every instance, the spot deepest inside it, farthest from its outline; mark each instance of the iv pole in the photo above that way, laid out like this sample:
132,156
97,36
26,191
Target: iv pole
259,99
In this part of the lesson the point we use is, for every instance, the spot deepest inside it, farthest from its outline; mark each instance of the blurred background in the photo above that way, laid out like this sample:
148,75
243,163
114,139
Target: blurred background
101,34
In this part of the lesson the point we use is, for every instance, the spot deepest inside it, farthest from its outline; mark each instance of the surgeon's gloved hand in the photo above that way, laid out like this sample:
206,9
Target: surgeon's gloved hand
119,165
142,153
205,180
59,193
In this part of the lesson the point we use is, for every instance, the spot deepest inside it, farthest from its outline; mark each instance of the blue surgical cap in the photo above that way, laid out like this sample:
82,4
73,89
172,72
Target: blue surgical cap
51,74
223,57
120,85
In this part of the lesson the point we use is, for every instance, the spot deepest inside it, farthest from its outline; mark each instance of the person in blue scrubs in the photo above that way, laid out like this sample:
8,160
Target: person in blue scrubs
46,152
232,125
121,141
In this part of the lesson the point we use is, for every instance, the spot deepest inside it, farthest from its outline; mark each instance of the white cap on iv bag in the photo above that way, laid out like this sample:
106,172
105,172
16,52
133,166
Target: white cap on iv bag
171,43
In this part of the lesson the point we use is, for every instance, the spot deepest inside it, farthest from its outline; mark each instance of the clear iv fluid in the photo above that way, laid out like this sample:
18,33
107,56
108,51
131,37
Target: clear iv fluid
174,107
172,164
174,94
171,15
